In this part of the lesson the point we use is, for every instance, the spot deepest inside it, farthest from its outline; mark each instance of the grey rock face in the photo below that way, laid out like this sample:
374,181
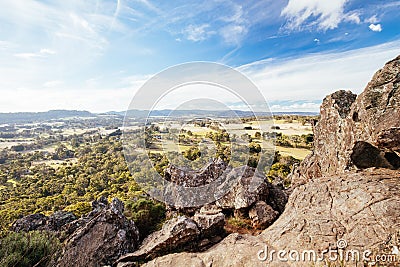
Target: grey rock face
192,178
38,221
250,188
210,224
174,234
100,237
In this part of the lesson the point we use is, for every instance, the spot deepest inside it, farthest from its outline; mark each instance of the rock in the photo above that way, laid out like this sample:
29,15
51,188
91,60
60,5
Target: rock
335,198
58,219
277,197
210,209
361,208
250,188
100,237
195,178
365,155
372,117
390,139
235,250
210,224
262,215
29,223
38,221
175,233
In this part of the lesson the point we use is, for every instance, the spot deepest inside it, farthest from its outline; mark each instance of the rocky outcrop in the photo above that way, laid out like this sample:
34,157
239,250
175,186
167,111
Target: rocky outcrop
372,118
251,187
361,208
194,178
174,234
180,233
38,221
343,199
98,238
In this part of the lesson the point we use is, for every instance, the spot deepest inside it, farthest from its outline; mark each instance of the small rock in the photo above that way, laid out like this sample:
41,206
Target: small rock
29,223
262,215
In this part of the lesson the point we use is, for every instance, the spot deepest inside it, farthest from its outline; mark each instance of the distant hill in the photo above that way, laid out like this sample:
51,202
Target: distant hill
28,117
134,113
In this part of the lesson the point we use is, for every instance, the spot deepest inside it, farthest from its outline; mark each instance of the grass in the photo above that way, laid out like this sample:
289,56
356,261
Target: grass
298,153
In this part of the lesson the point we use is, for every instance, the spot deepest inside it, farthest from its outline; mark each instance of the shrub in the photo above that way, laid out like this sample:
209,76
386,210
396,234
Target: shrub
79,208
27,249
147,215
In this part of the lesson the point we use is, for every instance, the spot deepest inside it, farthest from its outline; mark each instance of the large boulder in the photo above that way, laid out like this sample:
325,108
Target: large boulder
251,187
175,233
100,237
195,178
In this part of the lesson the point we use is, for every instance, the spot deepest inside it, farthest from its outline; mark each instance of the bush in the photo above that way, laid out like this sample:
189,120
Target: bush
147,214
79,208
27,249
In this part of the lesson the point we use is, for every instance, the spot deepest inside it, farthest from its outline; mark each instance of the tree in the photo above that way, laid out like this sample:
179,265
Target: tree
254,148
192,153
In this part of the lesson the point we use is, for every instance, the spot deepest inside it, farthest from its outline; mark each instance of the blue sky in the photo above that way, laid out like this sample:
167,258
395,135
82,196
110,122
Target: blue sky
94,55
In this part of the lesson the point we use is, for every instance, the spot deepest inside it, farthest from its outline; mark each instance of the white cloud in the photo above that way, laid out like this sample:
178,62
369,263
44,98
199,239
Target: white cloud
375,27
315,76
27,55
233,34
296,106
372,19
53,84
326,14
198,33
47,51
353,17
44,52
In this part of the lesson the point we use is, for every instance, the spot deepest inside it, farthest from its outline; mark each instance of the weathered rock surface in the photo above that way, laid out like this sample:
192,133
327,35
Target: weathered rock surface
38,221
174,234
235,250
365,155
250,188
210,222
194,178
262,215
277,197
361,208
333,198
100,237
372,117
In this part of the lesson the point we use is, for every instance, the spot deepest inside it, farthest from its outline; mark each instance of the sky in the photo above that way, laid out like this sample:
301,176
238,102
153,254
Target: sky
95,54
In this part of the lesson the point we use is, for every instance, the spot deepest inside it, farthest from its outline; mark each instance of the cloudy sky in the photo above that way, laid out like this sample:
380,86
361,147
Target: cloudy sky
93,55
